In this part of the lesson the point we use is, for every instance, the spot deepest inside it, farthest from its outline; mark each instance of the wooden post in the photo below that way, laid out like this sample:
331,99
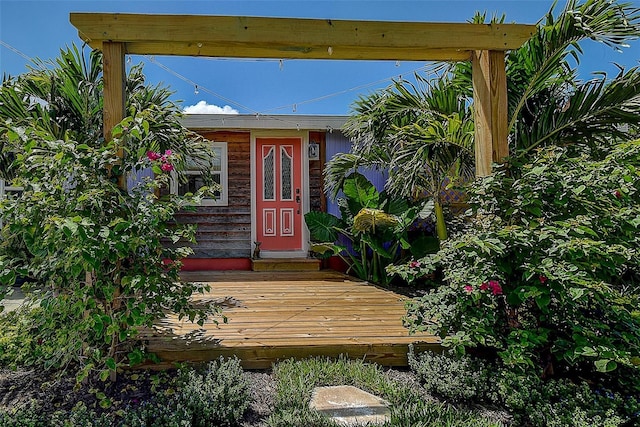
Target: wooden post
113,75
491,113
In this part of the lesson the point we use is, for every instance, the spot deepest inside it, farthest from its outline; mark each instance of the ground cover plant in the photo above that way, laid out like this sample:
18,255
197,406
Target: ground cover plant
215,394
409,407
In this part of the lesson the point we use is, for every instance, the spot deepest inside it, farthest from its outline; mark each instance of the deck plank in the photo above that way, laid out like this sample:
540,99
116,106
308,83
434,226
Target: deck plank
278,315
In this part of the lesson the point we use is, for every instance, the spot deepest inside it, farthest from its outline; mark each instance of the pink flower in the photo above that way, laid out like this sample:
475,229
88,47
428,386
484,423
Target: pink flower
152,155
164,159
543,279
484,287
496,289
168,153
618,194
414,264
468,288
166,167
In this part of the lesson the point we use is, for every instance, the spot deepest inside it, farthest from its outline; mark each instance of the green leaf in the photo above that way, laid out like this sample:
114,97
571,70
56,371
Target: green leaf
104,375
543,301
322,226
110,363
605,365
360,192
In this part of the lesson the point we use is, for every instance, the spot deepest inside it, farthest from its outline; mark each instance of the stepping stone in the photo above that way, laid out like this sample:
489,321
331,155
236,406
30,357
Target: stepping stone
350,406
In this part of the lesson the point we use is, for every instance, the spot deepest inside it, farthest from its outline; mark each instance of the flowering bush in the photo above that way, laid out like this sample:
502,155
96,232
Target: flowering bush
160,162
547,272
96,248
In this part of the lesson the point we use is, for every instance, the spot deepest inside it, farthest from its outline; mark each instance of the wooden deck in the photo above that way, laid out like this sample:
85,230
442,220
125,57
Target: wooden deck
278,315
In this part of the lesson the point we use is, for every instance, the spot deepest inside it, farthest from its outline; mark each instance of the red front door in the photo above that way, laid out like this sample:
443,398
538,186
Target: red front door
279,193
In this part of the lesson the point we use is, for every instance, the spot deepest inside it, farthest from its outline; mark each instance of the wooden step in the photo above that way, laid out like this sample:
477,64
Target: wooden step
285,264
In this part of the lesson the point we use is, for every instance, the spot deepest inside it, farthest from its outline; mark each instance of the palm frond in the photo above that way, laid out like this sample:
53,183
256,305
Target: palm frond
541,65
594,114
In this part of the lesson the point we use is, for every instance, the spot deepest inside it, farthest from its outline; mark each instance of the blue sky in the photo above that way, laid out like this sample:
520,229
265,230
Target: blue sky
41,28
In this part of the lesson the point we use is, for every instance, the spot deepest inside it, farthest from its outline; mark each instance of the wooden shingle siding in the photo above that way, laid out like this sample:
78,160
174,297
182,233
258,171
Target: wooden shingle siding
225,231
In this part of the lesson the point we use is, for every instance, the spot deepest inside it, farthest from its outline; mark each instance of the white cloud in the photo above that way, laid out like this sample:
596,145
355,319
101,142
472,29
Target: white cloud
203,108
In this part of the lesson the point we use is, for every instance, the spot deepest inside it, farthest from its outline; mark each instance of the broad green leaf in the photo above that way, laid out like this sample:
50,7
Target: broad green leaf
322,226
360,192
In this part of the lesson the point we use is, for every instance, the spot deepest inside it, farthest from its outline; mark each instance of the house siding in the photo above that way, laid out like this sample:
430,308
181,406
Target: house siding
336,143
225,231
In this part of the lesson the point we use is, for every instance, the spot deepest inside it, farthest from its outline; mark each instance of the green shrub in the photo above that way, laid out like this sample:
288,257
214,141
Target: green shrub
530,400
24,416
80,416
33,416
547,272
219,395
459,378
159,412
97,249
376,226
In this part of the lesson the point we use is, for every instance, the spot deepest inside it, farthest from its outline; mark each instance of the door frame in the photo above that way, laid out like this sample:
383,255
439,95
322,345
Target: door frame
285,133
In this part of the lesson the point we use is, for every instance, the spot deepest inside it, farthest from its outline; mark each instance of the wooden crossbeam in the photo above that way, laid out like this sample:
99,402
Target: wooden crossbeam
291,38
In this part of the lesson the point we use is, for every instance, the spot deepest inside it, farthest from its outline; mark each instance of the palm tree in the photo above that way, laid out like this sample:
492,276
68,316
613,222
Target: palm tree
63,97
423,133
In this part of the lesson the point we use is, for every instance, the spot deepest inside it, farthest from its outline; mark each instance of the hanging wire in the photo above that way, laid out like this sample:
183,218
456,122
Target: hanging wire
293,106
16,51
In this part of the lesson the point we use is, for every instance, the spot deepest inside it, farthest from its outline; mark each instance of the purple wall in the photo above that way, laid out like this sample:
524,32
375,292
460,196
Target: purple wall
338,143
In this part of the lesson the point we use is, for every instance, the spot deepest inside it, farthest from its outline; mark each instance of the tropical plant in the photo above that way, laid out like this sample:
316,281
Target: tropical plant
548,104
423,133
99,252
375,224
547,274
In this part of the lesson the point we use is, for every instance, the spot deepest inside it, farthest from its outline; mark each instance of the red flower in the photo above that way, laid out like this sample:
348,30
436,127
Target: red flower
496,289
414,264
166,167
543,279
484,286
152,155
468,288
618,194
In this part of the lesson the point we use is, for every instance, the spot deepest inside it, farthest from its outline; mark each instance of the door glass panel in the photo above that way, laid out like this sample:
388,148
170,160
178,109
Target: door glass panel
268,172
286,163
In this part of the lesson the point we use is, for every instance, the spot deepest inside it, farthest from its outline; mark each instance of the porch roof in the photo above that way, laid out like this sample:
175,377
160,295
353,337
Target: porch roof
270,121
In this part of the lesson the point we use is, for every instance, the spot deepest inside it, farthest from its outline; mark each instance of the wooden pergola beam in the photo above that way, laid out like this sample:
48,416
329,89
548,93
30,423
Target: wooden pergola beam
292,38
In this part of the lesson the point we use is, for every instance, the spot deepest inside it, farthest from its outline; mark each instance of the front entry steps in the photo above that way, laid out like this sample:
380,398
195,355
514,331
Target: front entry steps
285,264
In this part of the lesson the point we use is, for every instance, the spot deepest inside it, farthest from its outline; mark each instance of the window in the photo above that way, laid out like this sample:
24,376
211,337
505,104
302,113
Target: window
8,191
196,181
